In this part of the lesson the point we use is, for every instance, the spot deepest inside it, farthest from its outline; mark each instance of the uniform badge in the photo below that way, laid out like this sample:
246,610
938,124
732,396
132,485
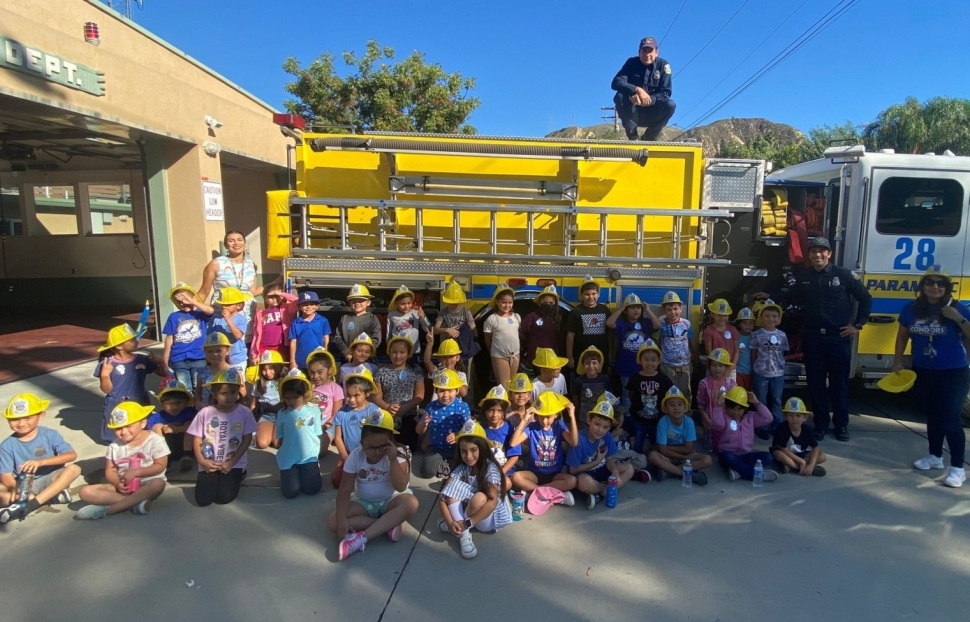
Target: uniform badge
656,75
835,281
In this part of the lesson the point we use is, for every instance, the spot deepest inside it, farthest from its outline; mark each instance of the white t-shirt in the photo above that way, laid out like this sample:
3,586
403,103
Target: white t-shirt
558,385
373,480
153,448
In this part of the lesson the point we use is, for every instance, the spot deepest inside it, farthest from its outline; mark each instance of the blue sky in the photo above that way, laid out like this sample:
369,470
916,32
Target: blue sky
543,64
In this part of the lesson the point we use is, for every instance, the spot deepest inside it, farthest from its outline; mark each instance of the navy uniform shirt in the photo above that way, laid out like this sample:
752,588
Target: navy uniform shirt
654,79
827,297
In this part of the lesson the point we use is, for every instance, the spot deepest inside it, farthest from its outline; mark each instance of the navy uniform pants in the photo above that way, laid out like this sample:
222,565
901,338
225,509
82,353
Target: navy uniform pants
654,118
827,361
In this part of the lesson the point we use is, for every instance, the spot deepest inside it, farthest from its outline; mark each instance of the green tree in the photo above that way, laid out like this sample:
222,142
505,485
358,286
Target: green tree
939,124
821,138
765,147
378,94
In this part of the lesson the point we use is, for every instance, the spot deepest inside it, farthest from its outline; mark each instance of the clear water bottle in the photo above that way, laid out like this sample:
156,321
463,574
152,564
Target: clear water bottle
759,475
688,474
24,481
612,491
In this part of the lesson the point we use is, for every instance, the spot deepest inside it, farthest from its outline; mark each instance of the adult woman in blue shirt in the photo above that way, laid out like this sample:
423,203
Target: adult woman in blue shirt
937,325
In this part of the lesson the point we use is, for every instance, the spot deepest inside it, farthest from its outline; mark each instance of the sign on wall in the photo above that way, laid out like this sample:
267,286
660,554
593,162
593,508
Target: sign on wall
32,61
212,201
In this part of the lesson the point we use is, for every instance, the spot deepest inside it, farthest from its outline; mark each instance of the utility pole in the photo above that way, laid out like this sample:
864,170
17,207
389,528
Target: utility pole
615,117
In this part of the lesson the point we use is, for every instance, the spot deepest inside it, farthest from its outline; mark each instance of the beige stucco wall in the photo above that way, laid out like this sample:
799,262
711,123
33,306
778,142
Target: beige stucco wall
245,197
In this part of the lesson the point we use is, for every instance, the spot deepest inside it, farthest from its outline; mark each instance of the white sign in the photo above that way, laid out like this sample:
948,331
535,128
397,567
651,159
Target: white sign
212,201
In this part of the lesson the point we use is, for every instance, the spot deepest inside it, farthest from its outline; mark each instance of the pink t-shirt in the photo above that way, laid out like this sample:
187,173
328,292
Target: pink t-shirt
272,323
325,396
727,340
221,433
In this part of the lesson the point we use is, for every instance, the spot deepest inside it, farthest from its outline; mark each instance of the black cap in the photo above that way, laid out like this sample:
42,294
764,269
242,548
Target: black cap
648,42
819,243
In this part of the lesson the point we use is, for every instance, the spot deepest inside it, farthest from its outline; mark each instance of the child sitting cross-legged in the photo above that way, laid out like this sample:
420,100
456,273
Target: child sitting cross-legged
794,446
547,436
735,427
675,441
474,494
134,466
591,460
36,451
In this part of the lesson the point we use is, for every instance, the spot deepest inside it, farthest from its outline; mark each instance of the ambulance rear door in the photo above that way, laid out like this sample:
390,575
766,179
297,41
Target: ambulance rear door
916,217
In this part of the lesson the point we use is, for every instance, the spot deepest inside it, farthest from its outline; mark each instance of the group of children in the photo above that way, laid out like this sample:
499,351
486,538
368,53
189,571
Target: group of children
533,435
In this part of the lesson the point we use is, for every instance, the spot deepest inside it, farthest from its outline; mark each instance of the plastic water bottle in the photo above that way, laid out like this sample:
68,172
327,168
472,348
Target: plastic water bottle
612,491
24,481
688,474
518,505
759,475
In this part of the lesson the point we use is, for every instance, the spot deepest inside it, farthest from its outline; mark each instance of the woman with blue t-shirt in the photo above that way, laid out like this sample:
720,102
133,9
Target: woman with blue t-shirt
937,325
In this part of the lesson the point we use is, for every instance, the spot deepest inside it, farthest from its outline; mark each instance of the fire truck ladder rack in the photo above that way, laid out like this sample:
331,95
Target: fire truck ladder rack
334,237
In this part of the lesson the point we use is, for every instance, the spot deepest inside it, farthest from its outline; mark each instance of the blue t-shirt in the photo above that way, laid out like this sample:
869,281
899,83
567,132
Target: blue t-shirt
446,420
675,435
351,421
237,351
309,336
744,354
546,447
188,331
629,337
161,417
47,444
499,438
586,450
128,379
300,431
937,341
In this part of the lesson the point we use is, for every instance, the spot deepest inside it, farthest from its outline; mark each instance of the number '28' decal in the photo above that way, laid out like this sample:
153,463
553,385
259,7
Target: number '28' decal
925,247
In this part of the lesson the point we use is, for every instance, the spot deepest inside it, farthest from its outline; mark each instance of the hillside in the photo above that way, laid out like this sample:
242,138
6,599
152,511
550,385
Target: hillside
712,136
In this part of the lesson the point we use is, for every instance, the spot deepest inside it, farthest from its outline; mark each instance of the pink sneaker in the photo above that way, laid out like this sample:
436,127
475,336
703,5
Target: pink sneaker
354,542
394,534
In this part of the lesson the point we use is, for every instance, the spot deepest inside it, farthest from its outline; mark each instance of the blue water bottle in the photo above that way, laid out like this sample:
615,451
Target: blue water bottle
759,475
688,474
612,491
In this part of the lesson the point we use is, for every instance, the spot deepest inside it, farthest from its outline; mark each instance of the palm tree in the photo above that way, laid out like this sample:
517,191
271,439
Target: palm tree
939,124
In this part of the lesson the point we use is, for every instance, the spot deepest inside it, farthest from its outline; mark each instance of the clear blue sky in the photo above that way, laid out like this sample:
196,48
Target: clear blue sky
543,64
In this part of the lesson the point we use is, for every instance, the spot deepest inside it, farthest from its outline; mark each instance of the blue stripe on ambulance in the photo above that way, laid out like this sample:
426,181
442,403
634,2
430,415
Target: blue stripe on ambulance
895,305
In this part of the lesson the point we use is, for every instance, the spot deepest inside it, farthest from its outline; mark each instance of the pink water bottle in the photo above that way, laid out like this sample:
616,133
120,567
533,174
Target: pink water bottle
130,463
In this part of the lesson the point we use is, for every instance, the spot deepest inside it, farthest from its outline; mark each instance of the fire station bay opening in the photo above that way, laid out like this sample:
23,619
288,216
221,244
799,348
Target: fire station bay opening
85,223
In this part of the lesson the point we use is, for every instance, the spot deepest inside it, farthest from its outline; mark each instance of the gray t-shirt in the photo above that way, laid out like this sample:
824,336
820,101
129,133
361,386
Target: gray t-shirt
771,347
407,325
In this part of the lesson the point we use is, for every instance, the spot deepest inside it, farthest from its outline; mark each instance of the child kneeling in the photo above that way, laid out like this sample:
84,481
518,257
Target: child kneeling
298,429
374,497
591,460
794,446
675,441
474,494
735,433
134,467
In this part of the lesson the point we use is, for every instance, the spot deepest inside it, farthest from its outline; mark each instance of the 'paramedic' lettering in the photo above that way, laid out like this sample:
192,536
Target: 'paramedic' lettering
25,59
892,285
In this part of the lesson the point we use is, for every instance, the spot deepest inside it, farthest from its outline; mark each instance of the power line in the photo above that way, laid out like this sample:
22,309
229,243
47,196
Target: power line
683,4
810,33
743,60
680,71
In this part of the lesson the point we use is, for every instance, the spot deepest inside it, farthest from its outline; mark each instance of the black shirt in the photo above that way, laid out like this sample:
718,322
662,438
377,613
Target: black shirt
827,297
646,393
800,444
589,326
654,79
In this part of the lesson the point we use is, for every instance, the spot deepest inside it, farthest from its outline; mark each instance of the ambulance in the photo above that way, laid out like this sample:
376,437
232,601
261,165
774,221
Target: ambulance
425,211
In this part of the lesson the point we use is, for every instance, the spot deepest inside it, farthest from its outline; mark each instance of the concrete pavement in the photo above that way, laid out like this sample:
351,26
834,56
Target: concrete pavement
872,540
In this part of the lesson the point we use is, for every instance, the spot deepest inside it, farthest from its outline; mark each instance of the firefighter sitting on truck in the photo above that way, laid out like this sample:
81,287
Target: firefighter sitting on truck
643,88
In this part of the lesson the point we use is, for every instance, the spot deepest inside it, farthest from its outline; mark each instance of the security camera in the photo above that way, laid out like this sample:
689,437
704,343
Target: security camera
213,123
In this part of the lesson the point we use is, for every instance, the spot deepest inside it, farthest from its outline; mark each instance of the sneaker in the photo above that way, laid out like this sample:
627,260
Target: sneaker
354,542
592,499
770,476
818,471
142,508
699,478
842,434
820,436
11,512
569,500
468,549
394,533
642,476
929,462
783,468
732,475
660,475
956,477
92,512
63,497
443,525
